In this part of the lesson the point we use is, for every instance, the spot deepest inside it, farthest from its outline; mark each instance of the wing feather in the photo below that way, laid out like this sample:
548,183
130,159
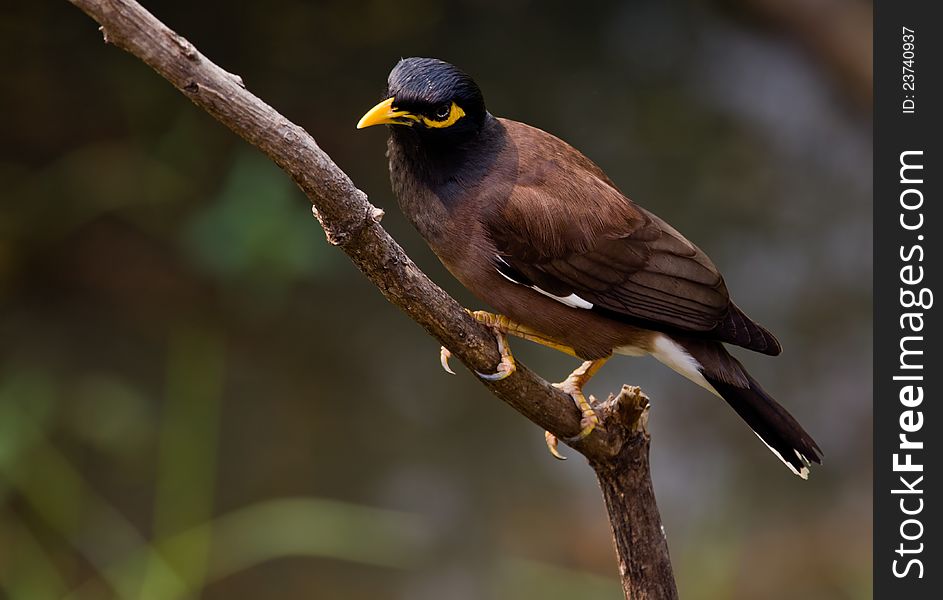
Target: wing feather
566,229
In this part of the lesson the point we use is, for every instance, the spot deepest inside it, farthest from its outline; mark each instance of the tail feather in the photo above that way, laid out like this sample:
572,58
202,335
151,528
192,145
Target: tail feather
725,376
772,424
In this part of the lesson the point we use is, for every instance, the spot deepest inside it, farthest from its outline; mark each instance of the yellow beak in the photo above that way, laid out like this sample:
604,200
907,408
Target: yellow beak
383,114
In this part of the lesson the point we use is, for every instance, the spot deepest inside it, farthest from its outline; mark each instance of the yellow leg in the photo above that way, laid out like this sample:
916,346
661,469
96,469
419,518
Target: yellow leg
573,385
517,330
502,325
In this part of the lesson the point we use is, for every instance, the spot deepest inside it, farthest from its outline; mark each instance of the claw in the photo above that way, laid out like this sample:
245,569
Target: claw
506,367
552,445
589,420
573,386
588,424
444,356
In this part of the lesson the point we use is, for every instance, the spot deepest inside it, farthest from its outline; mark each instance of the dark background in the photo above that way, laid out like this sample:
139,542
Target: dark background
200,397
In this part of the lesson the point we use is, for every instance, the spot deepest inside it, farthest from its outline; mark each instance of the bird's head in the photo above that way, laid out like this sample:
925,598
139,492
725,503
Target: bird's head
430,97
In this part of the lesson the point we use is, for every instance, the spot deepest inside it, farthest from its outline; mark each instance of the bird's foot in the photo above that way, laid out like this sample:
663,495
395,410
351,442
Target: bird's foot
507,366
501,326
573,386
589,420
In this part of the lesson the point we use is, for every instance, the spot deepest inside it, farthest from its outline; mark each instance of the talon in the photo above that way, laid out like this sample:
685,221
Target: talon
506,367
496,376
588,424
444,356
573,385
552,445
589,419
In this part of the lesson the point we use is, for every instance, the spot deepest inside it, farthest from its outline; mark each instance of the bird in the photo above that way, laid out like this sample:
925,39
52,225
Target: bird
535,229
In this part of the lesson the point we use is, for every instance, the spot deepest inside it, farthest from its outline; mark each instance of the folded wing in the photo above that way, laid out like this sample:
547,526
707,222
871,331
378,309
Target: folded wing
586,240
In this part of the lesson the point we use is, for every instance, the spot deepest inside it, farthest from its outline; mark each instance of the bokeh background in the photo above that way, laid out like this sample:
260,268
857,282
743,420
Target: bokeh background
199,397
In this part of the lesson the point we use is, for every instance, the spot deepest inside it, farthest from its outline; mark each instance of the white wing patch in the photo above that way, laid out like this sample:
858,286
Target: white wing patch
505,275
572,300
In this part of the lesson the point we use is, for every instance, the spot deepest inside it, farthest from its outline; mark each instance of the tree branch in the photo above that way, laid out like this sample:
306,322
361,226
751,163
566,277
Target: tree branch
619,454
626,483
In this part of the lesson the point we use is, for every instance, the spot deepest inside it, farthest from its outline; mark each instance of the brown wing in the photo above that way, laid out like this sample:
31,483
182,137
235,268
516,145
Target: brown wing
565,229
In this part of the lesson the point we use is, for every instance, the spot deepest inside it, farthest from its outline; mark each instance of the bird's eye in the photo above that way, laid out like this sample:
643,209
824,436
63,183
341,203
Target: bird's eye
443,111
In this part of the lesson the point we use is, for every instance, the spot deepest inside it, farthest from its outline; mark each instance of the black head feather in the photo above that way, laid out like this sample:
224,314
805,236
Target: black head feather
426,86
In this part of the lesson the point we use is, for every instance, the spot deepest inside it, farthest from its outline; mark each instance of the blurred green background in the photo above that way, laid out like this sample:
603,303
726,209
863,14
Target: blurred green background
199,397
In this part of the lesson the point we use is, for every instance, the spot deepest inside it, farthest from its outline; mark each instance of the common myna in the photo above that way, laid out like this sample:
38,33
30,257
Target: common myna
536,230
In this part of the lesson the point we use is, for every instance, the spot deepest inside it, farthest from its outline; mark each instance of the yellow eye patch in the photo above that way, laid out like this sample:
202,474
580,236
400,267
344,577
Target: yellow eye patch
455,113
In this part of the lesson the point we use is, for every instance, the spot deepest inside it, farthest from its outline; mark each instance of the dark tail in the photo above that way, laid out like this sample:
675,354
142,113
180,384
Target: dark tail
770,421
